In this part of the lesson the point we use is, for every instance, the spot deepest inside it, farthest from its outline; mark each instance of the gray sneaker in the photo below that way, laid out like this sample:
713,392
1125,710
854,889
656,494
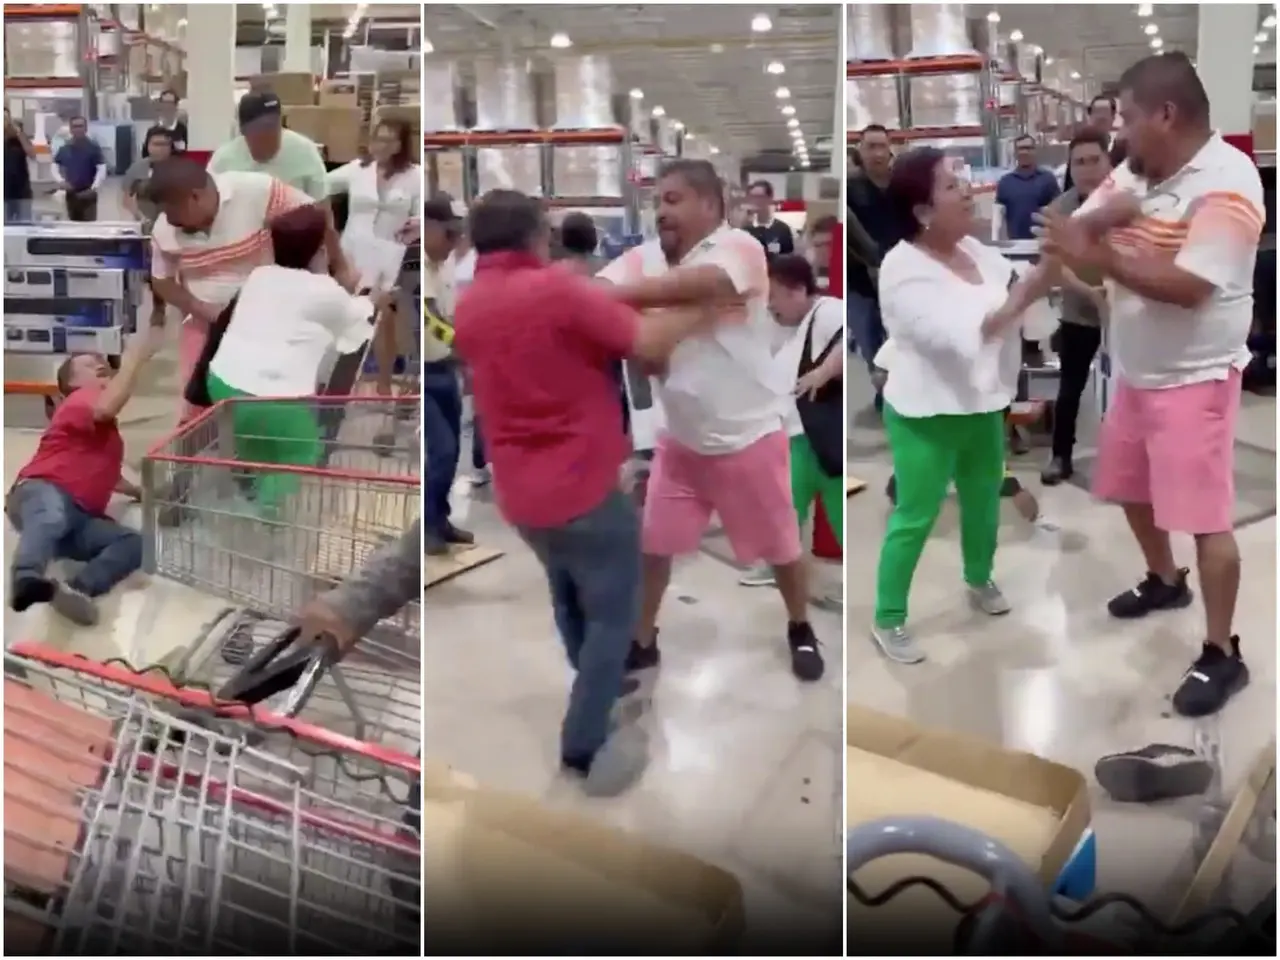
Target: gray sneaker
761,575
74,605
896,644
988,599
619,764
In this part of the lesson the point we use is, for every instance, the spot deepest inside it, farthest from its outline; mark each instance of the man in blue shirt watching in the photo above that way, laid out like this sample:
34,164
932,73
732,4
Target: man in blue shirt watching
82,167
1025,190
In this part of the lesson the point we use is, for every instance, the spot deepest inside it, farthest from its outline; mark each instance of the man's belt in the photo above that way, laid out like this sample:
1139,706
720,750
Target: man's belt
437,327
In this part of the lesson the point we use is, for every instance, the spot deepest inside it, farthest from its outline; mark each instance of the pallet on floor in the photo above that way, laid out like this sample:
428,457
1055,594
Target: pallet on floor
459,560
853,485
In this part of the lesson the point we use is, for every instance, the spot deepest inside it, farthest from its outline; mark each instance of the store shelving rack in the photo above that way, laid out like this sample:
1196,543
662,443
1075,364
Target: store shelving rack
547,140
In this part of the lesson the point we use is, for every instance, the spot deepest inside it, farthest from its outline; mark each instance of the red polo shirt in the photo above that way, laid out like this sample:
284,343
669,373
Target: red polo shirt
78,454
541,343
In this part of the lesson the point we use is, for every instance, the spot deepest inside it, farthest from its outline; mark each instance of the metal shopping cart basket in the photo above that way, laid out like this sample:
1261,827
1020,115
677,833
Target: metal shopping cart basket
268,537
130,830
1018,917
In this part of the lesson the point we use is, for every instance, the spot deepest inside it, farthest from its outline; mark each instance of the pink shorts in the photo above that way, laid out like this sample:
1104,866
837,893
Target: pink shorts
749,490
1174,449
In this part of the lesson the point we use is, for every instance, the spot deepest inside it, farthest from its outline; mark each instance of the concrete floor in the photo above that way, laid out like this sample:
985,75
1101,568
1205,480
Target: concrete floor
1058,677
745,761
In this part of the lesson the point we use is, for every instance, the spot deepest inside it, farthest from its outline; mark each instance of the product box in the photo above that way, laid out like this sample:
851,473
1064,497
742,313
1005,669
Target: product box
293,89
895,768
507,873
336,129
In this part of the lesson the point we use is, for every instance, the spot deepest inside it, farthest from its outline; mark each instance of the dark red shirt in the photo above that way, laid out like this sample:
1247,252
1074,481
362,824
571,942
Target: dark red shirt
541,344
78,454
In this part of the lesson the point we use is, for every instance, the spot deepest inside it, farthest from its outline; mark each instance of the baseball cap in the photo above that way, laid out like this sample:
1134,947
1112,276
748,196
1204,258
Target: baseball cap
256,105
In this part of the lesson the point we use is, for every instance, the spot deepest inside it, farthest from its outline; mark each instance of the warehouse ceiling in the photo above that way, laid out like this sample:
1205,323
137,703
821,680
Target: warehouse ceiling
703,64
1100,40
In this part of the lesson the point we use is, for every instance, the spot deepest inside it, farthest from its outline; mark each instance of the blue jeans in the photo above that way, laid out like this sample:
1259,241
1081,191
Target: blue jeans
17,211
593,569
441,432
51,526
865,325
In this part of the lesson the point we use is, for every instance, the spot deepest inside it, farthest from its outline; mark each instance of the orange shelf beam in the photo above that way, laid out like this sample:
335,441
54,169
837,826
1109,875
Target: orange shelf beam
926,133
42,11
42,83
605,136
925,66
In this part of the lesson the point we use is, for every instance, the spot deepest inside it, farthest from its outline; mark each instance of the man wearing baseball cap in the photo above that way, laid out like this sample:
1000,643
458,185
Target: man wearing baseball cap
265,145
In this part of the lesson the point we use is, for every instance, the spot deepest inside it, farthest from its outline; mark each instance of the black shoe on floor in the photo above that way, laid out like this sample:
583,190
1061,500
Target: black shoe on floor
1212,680
891,489
1157,772
1150,595
1059,469
643,658
434,544
457,537
806,658
29,591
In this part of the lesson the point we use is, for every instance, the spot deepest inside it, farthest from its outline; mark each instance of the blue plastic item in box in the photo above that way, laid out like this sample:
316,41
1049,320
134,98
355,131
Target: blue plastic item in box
1079,877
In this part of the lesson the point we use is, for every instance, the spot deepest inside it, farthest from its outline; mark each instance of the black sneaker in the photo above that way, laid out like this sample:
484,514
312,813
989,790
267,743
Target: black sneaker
1155,773
643,658
457,537
29,591
1150,595
434,544
891,489
806,659
1212,680
1059,469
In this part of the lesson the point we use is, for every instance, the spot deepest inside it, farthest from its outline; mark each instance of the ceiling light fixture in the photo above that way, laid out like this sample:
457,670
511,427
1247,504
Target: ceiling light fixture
793,123
783,93
1256,49
777,68
1269,23
561,41
716,48
1016,36
1151,29
761,24
677,125
1075,74
993,17
182,22
658,111
1048,61
788,111
1156,43
1145,9
1261,38
690,135
637,93
714,151
797,135
428,46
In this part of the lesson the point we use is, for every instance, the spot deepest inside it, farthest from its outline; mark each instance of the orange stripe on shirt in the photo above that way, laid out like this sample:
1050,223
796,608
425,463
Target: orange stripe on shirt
1227,208
228,251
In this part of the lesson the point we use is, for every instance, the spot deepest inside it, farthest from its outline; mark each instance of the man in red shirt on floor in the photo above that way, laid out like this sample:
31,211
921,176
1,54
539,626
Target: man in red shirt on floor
542,344
59,502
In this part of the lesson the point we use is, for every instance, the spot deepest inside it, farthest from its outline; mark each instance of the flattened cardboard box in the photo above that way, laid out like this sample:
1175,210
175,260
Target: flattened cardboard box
894,767
508,873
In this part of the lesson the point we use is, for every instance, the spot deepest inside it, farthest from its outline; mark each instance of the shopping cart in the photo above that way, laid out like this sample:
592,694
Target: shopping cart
268,537
1020,918
139,822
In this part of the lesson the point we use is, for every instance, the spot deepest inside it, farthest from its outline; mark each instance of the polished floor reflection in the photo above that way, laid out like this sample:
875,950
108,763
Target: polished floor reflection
744,760
1057,676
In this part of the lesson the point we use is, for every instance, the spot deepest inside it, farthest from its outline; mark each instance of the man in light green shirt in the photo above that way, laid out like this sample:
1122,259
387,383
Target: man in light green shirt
265,146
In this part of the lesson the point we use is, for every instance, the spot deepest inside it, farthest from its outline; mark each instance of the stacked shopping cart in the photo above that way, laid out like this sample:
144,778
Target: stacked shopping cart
256,797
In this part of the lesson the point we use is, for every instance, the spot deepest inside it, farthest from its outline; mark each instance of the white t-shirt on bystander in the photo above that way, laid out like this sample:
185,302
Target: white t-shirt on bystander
723,391
283,327
826,320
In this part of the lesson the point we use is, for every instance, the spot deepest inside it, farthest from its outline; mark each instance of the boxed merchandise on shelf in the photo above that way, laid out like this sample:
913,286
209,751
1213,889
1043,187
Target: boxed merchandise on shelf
293,89
338,129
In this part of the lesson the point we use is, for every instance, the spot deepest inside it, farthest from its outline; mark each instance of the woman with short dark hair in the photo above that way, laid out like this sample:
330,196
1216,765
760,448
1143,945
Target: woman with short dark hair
951,310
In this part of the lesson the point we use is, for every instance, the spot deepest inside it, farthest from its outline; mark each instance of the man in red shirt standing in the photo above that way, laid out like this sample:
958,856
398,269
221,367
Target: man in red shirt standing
59,502
542,343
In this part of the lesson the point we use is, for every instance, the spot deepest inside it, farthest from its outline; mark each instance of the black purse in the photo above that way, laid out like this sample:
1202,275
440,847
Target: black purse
197,389
823,416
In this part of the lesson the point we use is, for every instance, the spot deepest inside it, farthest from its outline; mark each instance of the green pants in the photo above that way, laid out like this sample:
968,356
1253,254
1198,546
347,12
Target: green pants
809,480
271,433
928,452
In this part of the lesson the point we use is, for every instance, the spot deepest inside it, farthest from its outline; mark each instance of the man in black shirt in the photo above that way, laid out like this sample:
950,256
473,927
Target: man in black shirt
875,228
168,124
17,173
774,235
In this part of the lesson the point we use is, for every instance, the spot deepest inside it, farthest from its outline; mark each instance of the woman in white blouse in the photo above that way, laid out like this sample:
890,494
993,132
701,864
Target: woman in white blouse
384,195
951,308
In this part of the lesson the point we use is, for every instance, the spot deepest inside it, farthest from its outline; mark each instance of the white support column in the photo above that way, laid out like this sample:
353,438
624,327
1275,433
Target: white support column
297,38
211,72
1225,63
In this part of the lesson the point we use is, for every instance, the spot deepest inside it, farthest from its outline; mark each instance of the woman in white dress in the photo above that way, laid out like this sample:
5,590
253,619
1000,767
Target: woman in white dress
384,196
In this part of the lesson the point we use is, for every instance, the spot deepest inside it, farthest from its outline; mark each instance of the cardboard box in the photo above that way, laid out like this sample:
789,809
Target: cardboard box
336,129
894,767
293,89
506,872
338,98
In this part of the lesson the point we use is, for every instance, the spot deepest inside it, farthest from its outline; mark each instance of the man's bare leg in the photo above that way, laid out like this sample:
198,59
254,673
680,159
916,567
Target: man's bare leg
793,583
655,577
1218,564
1152,541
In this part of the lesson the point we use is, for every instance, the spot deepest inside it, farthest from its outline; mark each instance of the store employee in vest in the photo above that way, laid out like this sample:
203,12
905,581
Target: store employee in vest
441,396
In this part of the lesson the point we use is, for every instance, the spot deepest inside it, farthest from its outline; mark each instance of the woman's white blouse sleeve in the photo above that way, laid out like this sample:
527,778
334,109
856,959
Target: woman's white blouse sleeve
917,310
348,318
339,179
